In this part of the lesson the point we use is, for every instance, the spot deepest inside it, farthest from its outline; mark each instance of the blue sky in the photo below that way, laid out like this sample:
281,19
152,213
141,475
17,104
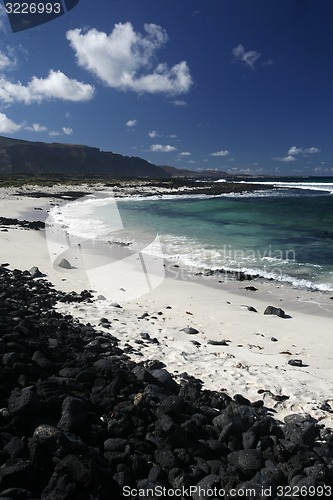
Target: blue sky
244,86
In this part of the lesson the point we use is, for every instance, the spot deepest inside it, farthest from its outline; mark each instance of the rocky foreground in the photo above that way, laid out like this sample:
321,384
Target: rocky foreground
80,420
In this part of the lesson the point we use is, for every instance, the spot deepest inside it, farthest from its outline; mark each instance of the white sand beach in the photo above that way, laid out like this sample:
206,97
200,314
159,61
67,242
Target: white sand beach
254,360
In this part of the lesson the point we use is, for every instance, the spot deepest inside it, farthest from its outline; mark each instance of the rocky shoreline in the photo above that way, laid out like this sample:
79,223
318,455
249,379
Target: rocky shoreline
80,420
138,187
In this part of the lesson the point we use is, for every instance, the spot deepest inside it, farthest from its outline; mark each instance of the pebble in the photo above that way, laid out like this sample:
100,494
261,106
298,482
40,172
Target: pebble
189,330
277,311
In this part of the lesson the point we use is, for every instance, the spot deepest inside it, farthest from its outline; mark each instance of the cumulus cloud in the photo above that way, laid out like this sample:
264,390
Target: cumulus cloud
64,131
36,127
124,59
67,130
153,134
131,123
178,103
285,159
7,125
55,86
3,19
4,61
304,151
294,151
311,150
220,153
159,148
185,153
248,58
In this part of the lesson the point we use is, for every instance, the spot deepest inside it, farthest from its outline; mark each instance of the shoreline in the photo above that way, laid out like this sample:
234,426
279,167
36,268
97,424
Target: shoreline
249,363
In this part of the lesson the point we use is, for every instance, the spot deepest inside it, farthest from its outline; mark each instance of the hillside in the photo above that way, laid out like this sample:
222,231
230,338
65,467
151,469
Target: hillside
40,158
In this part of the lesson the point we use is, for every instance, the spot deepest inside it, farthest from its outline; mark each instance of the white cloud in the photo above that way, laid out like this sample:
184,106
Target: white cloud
55,86
249,58
36,127
67,130
220,153
294,150
185,153
3,19
159,148
131,123
311,150
285,159
8,59
124,59
152,134
7,125
4,61
304,151
64,131
179,103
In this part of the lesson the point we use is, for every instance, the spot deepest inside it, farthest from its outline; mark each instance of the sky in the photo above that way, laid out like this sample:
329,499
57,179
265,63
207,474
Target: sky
243,86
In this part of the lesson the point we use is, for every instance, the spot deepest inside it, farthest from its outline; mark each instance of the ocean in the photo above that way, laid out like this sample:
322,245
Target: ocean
284,233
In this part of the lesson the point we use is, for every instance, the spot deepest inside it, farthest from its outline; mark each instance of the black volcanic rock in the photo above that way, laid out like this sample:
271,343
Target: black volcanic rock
36,158
192,174
275,310
80,420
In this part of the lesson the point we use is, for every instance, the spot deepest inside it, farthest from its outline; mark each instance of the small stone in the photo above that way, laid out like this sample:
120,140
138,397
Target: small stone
295,362
189,330
277,311
115,444
217,342
246,460
74,414
35,272
64,264
42,361
166,458
23,402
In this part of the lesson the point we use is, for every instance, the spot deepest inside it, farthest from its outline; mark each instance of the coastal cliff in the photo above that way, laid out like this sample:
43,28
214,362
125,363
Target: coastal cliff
36,158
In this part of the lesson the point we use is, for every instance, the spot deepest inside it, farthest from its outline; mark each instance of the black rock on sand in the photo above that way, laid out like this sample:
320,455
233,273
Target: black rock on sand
80,420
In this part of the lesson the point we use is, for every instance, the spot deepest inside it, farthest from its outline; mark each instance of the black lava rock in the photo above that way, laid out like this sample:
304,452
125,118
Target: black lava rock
80,420
277,311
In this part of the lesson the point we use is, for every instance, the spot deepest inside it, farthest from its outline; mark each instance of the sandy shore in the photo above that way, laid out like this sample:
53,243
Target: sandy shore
254,360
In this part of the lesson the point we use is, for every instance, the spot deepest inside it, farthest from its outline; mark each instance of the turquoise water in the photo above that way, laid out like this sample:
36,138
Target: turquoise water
285,234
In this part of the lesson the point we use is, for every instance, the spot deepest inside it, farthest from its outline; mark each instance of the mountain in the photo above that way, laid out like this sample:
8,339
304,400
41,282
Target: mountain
40,158
182,172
